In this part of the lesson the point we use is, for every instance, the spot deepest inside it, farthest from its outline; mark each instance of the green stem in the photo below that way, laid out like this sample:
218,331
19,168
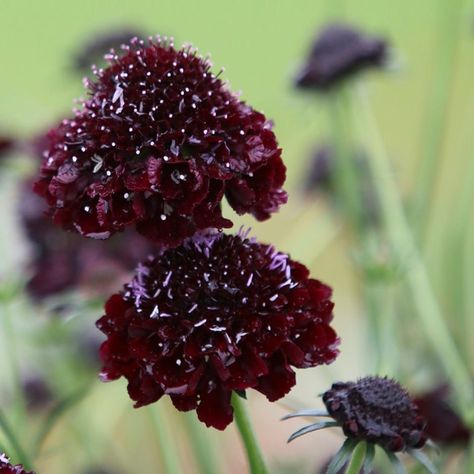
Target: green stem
403,244
450,13
349,190
14,364
166,445
357,459
202,448
22,455
242,419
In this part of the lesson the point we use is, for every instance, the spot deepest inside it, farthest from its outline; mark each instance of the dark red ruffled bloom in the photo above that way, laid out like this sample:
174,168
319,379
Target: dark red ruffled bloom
7,468
63,261
217,314
157,145
444,426
340,51
377,410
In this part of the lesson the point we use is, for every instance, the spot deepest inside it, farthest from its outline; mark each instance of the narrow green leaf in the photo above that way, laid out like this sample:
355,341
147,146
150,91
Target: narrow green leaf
341,457
397,465
369,458
423,459
310,428
306,413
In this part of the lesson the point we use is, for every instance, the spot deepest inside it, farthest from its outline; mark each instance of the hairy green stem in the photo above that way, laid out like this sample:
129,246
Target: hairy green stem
242,419
450,13
403,245
357,459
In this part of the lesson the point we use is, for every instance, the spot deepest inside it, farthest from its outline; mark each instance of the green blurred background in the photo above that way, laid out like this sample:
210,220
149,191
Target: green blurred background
260,44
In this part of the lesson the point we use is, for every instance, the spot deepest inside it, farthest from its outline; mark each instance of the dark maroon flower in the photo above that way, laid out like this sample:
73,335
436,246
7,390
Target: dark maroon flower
320,173
63,261
321,176
217,314
377,410
157,144
7,144
99,44
7,468
340,51
37,393
444,426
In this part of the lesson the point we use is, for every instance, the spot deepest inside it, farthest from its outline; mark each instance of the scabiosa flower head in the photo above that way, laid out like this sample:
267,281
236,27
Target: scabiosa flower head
338,52
157,145
377,410
444,426
7,468
217,314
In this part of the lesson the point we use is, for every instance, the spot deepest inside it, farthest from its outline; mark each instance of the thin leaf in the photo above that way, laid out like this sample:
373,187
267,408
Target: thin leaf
56,413
341,457
433,446
310,428
397,465
306,413
369,458
423,459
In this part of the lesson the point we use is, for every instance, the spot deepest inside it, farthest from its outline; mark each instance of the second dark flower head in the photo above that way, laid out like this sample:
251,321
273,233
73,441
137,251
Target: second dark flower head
157,145
220,313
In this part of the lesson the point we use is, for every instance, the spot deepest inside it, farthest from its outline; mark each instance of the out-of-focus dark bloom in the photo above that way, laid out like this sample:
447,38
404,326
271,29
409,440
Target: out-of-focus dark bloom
38,394
217,314
377,410
157,144
444,426
320,173
7,468
340,51
321,176
64,260
7,144
93,50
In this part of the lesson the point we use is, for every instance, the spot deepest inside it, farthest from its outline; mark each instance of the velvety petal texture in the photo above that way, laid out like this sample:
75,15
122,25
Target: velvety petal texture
157,145
7,468
338,52
216,314
377,410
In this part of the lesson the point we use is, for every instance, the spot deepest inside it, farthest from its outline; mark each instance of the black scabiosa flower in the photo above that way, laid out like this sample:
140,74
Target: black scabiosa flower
7,468
338,52
374,410
444,426
377,410
157,145
220,313
64,261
